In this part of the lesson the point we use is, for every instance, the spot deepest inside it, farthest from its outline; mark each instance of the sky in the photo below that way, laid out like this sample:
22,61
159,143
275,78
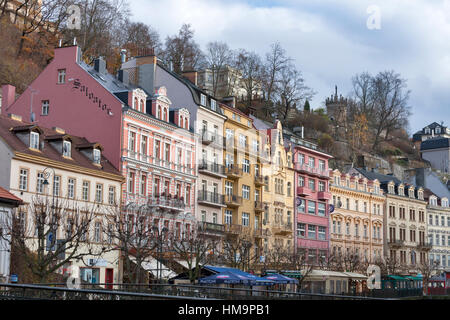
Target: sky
329,40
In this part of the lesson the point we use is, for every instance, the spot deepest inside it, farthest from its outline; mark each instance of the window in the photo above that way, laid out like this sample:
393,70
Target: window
143,185
34,140
245,219
40,183
132,141
131,182
321,165
289,189
67,149
85,191
61,76
442,221
246,192
56,185
311,207
246,166
311,232
99,193
321,209
228,217
71,188
242,140
45,107
202,99
322,233
312,184
347,228
301,158
97,232
301,229
23,180
213,105
301,181
97,156
112,195
321,186
203,216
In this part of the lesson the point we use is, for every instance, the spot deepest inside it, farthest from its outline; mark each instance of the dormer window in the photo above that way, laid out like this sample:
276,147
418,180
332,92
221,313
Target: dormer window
444,202
420,195
401,191
34,140
97,156
67,149
202,99
433,201
427,130
411,193
438,130
142,106
391,189
213,105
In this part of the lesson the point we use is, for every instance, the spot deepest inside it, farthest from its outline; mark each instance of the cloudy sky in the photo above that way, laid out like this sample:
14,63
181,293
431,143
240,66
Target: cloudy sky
329,40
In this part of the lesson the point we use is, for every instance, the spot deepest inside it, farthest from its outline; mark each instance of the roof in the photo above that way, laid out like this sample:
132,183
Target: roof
383,178
48,151
7,197
435,143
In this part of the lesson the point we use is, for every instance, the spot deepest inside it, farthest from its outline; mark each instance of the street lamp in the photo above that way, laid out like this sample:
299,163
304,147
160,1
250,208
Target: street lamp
46,173
159,238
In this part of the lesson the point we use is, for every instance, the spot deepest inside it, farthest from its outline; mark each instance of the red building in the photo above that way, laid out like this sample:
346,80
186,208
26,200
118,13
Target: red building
313,195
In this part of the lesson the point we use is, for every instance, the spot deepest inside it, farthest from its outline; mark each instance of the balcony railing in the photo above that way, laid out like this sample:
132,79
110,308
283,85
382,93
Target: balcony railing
282,228
322,195
233,228
259,206
396,243
167,203
212,227
260,180
424,245
304,167
304,191
233,200
212,198
260,233
212,168
209,137
233,172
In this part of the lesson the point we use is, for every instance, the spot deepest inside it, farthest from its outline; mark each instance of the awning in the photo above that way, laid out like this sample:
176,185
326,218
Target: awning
396,277
279,278
151,265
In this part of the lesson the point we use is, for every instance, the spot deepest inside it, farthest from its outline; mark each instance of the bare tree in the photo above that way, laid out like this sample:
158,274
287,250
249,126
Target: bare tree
238,253
428,269
138,36
182,50
50,233
250,65
217,57
194,248
298,260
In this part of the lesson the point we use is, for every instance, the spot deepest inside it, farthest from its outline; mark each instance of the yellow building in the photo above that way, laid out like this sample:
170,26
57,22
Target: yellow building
356,225
243,186
278,192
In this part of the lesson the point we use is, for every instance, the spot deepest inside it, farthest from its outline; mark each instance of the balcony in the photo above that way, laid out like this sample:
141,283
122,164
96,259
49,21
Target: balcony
261,181
209,227
234,229
168,204
261,233
259,207
233,201
424,246
305,168
211,199
304,191
233,172
282,228
325,196
396,243
212,169
210,137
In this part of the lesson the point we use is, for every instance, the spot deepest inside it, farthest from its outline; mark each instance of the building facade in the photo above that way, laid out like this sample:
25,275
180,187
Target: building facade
356,224
80,178
405,227
312,197
8,203
437,152
438,220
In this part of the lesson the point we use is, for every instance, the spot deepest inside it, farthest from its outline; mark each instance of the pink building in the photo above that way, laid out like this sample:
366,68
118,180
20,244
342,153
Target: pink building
311,207
145,137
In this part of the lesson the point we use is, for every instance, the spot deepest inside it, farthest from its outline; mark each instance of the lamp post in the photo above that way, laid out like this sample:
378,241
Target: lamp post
159,238
47,175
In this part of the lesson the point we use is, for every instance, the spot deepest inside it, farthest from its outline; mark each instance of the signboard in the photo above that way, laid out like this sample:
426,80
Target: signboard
298,201
14,278
331,208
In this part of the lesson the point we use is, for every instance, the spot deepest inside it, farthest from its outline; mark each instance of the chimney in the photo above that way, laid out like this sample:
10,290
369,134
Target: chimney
191,76
100,65
8,96
124,77
123,55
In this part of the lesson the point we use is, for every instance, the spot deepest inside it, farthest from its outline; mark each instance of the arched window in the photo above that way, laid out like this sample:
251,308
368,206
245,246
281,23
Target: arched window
136,106
186,123
158,112
165,114
142,106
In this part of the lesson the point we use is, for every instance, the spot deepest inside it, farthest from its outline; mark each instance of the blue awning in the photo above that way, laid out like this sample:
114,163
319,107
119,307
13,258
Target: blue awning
255,280
279,278
225,277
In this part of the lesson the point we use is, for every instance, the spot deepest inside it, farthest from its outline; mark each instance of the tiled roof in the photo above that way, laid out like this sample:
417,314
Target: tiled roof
435,143
6,196
77,158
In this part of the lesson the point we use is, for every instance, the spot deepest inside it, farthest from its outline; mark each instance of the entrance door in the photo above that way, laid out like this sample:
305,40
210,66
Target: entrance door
109,278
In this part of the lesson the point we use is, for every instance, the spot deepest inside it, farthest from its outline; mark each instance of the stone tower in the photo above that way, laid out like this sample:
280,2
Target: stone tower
337,112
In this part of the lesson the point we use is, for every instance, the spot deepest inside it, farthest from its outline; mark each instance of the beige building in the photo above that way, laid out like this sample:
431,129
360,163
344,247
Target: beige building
405,225
356,224
40,164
